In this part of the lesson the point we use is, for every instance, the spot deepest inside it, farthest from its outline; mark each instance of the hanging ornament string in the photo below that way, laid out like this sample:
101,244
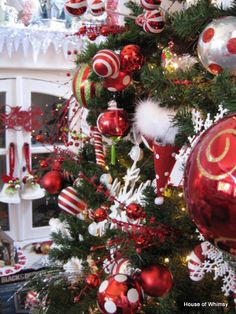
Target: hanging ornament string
26,153
11,159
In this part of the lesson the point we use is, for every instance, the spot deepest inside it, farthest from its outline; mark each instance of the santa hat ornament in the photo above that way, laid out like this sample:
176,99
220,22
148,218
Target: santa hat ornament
10,191
155,124
31,189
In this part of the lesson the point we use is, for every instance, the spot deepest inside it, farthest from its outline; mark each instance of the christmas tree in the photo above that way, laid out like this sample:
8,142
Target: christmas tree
160,94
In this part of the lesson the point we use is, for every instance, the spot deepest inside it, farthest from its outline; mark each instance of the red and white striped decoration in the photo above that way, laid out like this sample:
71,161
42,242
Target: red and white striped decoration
32,299
106,63
69,201
68,177
100,158
97,7
150,4
153,22
75,7
196,259
122,266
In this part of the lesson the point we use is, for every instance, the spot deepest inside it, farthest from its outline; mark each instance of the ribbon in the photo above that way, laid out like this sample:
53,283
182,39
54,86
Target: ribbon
26,153
11,159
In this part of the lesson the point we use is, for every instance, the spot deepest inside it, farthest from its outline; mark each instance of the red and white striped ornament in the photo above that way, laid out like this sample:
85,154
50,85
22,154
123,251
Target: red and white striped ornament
196,259
69,201
150,4
68,177
75,7
97,136
97,7
153,22
106,63
122,266
32,299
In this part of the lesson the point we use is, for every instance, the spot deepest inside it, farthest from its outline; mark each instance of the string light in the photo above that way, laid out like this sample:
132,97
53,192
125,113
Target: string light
166,260
180,194
187,258
183,209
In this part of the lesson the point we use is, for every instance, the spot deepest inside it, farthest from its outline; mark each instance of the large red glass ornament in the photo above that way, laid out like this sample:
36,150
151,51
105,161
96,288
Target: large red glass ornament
119,83
75,7
52,182
156,280
131,58
210,184
113,122
119,294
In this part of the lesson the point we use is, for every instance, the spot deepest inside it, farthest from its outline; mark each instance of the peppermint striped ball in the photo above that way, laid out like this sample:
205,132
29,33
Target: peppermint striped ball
196,259
150,4
75,7
106,63
122,266
153,22
97,7
69,201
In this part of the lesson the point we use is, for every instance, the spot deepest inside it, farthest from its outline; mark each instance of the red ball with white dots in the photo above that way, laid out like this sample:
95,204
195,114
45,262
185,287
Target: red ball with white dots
150,4
153,22
75,7
97,7
119,83
106,63
217,46
119,294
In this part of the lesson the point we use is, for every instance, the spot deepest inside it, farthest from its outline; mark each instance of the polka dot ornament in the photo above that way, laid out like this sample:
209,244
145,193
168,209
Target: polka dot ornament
217,46
119,294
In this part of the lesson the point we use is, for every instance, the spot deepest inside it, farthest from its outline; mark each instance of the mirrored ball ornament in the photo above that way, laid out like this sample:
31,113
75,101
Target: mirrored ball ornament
217,46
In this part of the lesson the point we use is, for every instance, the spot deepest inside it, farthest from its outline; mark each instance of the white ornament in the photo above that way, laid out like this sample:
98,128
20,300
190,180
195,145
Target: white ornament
97,229
106,179
74,265
136,153
56,225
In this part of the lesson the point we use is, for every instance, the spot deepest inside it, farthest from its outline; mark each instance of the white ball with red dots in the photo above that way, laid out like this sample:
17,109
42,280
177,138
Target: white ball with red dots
217,46
97,7
150,4
106,63
75,7
119,83
153,22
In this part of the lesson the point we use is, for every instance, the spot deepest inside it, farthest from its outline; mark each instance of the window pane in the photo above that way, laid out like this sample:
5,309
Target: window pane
43,210
2,110
49,129
4,219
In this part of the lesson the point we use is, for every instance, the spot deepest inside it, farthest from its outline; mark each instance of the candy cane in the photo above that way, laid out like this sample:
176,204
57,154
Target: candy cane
100,158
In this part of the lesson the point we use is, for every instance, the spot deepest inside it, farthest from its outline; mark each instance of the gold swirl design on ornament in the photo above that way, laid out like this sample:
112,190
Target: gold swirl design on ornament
213,159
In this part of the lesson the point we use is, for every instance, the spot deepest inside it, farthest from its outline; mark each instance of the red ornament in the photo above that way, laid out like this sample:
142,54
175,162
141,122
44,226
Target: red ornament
156,280
92,280
134,211
153,22
105,30
97,7
52,182
106,63
75,7
119,294
100,214
39,138
119,83
83,88
210,184
43,163
196,258
92,36
139,20
150,4
83,30
121,266
69,201
113,122
131,58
